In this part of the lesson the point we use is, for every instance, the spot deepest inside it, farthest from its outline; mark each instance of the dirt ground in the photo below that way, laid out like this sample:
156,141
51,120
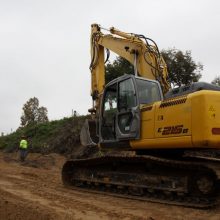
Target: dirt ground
34,191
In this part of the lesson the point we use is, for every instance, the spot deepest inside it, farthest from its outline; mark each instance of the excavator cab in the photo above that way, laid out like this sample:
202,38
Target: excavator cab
120,109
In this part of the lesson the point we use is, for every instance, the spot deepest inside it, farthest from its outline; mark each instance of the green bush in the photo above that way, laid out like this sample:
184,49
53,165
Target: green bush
60,136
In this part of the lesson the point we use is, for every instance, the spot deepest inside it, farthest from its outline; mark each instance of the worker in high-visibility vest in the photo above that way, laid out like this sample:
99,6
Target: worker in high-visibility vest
23,147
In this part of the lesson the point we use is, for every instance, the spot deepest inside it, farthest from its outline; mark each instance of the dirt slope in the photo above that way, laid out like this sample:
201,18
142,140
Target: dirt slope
34,191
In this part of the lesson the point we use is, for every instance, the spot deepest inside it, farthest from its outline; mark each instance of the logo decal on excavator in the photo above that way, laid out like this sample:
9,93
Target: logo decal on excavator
177,129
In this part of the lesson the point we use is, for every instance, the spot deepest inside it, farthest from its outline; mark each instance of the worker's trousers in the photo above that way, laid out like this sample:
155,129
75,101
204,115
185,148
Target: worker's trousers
23,154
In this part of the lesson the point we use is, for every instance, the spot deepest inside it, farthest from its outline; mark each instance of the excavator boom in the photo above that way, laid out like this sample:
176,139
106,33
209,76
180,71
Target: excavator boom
140,51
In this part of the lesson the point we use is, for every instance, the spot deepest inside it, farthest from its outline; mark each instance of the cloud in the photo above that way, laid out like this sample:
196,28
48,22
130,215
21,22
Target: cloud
45,48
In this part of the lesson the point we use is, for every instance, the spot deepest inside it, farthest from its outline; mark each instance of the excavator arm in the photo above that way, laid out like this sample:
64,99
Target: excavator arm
140,51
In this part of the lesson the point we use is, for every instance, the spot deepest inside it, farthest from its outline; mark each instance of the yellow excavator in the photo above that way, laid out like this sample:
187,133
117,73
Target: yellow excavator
156,144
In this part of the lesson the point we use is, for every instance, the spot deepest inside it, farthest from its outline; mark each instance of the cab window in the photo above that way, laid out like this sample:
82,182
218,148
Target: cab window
127,101
127,96
148,91
109,113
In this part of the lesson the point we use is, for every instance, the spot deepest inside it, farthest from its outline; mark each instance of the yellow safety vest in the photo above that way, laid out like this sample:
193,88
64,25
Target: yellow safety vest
23,144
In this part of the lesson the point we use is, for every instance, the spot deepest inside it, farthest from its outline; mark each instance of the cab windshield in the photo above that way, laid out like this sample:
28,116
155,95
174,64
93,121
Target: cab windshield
148,91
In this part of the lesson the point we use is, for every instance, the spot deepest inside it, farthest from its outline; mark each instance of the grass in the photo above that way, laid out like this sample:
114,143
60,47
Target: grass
59,136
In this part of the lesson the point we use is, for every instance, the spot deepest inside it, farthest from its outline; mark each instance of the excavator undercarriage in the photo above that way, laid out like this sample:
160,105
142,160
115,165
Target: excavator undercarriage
178,182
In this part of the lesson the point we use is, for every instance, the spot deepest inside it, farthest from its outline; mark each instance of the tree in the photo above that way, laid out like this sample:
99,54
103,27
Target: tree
42,114
182,69
119,67
216,81
32,113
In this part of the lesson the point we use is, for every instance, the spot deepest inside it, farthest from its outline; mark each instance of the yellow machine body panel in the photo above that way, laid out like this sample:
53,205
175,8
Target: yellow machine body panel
206,119
191,121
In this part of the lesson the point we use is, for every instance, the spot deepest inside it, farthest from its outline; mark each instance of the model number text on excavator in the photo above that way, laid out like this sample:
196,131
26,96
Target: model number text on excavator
177,129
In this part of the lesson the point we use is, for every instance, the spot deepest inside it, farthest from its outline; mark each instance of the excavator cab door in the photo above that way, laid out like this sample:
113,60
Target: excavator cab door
127,125
120,114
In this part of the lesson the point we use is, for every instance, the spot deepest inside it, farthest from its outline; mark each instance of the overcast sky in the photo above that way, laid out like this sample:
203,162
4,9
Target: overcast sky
44,46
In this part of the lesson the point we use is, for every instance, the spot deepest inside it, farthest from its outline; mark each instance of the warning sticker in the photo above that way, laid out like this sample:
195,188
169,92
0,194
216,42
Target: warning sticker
211,109
212,112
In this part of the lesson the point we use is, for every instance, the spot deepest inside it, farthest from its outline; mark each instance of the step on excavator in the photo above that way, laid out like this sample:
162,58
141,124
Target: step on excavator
155,143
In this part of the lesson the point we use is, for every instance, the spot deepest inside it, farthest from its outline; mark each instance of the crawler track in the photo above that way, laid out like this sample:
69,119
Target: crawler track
146,178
